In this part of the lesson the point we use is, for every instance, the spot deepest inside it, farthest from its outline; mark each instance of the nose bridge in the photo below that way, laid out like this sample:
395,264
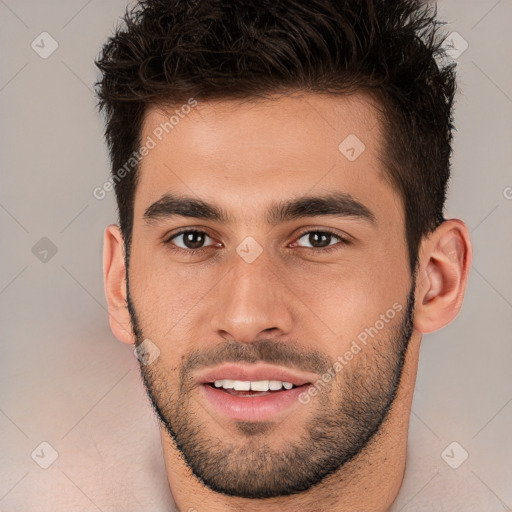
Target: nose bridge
251,300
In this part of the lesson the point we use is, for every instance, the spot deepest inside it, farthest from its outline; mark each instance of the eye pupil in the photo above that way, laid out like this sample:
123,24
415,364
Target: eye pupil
316,237
193,239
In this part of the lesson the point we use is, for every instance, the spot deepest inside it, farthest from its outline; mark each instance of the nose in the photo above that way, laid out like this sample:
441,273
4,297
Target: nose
252,299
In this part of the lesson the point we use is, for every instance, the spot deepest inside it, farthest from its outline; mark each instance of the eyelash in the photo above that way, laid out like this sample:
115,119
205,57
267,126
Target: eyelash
324,250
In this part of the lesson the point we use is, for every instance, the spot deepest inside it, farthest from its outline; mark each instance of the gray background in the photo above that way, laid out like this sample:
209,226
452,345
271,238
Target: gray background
67,381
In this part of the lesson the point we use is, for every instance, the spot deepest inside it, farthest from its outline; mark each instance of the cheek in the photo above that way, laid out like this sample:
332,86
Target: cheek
163,293
347,300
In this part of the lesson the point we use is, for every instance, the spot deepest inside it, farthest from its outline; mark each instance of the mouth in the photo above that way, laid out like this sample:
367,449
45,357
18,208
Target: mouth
252,388
253,393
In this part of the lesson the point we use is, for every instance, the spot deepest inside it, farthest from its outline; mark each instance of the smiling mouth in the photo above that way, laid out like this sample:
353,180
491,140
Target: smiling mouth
253,388
253,400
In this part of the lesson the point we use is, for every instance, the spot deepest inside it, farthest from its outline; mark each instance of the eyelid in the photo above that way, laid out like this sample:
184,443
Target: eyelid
344,240
330,231
168,239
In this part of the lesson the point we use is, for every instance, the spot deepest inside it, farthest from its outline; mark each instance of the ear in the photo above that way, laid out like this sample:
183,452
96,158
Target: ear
445,260
114,278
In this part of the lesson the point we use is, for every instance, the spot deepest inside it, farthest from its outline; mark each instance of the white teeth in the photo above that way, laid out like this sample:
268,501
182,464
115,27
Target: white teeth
257,385
226,384
275,385
242,385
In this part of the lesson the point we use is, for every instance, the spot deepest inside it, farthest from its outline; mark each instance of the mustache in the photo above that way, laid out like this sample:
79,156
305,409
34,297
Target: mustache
264,351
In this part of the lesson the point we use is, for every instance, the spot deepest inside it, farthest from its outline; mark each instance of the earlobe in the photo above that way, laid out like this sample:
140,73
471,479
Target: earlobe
445,260
114,278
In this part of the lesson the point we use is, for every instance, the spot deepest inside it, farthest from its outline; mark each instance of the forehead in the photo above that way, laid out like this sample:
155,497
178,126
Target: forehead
244,154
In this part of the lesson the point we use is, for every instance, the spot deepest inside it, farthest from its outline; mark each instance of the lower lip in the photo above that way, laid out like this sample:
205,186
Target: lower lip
252,408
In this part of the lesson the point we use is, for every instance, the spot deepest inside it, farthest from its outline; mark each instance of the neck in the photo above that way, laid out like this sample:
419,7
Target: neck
368,483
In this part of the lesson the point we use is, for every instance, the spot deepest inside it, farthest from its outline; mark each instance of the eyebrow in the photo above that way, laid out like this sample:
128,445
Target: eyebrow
336,204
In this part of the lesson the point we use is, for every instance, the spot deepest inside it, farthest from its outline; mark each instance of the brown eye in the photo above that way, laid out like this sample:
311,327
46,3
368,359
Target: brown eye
190,240
322,240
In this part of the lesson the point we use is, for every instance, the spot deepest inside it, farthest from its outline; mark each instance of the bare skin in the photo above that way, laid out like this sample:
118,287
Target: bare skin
244,157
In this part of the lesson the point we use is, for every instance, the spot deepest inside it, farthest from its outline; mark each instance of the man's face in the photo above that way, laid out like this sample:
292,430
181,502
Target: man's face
314,294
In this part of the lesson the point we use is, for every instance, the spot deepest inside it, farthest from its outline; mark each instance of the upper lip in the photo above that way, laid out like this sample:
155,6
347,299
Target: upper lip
254,372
